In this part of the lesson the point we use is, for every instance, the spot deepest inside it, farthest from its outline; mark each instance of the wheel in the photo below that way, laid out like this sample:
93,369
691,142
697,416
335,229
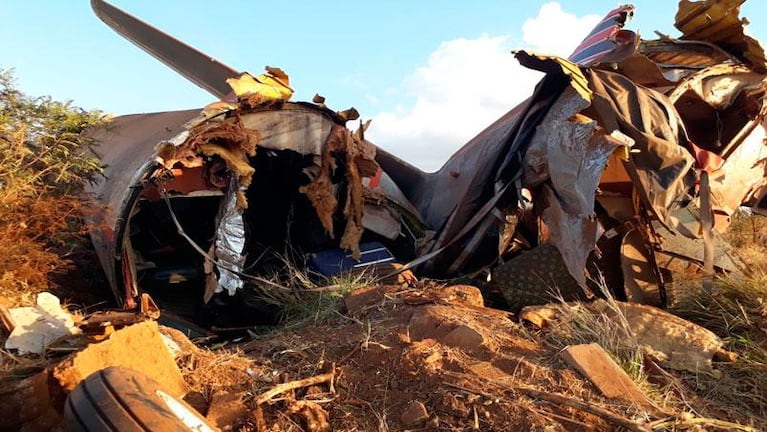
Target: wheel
121,399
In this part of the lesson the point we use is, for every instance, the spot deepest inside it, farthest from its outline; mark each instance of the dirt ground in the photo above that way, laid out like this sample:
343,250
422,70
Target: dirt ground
461,361
410,360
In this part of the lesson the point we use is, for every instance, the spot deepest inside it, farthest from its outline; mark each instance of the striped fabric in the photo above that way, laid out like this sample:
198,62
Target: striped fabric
604,38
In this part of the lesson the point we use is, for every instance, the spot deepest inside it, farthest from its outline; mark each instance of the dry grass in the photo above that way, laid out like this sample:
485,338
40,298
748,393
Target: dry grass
737,312
301,299
748,234
206,371
579,324
41,229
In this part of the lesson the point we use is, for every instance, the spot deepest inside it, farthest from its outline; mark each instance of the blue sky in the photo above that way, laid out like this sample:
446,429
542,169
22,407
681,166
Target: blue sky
411,66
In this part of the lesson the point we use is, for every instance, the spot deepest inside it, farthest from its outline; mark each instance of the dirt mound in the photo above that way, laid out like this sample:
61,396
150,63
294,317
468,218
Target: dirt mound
419,360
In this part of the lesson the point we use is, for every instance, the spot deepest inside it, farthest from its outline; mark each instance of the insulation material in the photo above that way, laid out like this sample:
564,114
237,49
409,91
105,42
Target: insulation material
351,149
272,86
228,139
321,191
353,210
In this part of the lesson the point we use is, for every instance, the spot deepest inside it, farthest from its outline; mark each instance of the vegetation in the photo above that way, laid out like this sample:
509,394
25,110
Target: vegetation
44,163
748,235
737,312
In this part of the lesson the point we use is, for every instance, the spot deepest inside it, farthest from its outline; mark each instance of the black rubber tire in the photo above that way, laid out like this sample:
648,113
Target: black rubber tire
121,399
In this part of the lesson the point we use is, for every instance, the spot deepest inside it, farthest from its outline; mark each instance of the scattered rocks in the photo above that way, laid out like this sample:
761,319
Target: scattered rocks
595,364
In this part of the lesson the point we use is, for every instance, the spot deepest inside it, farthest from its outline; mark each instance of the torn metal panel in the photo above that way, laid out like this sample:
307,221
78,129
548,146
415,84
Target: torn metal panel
692,249
607,42
574,235
719,22
677,54
718,105
640,279
744,172
567,151
643,71
292,127
381,221
660,166
499,165
126,149
721,85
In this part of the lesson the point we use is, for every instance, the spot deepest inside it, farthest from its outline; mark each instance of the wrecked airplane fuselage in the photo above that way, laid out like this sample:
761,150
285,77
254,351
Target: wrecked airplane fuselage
627,158
218,196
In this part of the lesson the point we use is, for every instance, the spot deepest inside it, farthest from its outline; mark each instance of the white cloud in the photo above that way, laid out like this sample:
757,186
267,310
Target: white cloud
570,30
466,84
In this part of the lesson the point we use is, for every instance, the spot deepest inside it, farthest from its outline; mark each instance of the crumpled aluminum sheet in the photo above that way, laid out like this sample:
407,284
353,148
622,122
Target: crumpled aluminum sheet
230,242
567,150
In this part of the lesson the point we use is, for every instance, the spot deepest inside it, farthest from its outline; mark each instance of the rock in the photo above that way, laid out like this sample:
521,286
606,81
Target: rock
464,337
450,403
598,367
138,347
427,323
461,294
25,402
540,316
415,413
678,343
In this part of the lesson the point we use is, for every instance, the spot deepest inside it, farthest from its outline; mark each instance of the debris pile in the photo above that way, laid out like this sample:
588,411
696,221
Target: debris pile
611,184
627,161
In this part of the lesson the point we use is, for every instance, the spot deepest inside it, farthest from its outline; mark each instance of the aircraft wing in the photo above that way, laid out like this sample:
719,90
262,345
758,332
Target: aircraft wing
196,66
